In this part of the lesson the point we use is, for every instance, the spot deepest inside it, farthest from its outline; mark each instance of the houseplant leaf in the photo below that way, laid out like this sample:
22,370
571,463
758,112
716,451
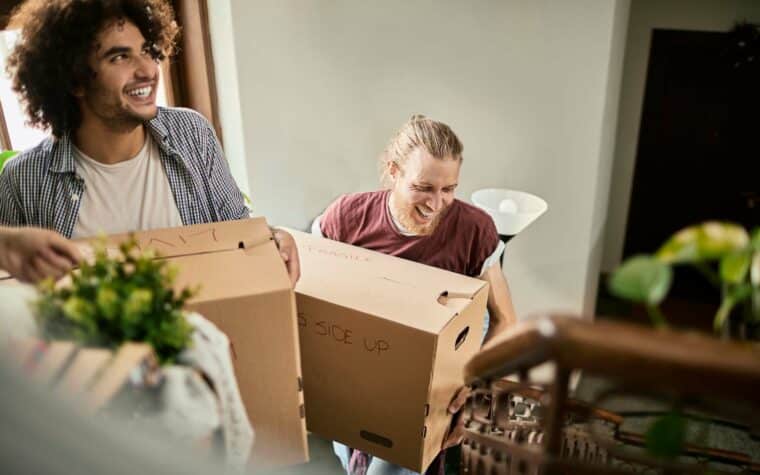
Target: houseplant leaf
733,296
754,240
641,279
666,436
708,241
681,247
734,266
754,282
6,155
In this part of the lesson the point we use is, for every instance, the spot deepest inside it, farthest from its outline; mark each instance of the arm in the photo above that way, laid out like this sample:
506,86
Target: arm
32,254
227,199
10,210
289,253
499,301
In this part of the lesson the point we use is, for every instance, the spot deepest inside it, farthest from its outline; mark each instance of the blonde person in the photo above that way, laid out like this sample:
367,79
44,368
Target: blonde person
416,216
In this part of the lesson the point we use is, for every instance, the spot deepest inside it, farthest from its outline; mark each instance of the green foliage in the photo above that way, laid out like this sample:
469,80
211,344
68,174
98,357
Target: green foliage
642,279
734,266
125,297
754,281
704,242
6,155
725,254
666,436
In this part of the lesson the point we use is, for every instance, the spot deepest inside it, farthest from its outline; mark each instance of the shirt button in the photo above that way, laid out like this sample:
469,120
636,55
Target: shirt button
75,197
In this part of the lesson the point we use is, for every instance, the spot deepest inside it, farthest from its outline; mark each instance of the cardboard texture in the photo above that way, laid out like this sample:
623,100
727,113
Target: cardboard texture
87,365
130,357
384,341
246,292
56,357
59,365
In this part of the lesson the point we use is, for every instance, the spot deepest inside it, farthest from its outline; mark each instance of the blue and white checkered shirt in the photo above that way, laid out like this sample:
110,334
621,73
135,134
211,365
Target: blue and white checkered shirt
40,187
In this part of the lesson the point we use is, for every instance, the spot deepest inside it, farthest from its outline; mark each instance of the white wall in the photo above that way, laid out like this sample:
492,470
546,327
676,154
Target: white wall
223,50
529,86
645,15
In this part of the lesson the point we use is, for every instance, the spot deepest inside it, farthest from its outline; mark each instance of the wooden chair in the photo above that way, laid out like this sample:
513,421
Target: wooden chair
524,428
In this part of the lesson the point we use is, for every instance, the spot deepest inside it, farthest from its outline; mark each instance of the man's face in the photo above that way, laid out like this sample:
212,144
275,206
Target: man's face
423,189
122,94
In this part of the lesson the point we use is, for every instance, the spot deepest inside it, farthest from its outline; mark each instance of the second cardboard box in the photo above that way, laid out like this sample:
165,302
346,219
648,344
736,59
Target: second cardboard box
383,344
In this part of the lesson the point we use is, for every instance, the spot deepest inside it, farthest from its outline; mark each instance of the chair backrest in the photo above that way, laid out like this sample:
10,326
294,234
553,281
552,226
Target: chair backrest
687,363
639,360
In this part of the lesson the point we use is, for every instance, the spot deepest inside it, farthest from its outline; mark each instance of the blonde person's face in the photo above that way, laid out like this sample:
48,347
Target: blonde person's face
123,90
423,189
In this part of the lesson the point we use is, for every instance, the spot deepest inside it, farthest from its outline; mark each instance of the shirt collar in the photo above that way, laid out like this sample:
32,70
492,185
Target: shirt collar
62,149
62,153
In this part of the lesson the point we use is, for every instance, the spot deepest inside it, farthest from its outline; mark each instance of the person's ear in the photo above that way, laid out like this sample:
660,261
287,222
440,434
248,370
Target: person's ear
78,91
394,171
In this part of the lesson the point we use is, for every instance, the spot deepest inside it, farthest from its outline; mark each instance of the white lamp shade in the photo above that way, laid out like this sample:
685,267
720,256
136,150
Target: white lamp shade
511,210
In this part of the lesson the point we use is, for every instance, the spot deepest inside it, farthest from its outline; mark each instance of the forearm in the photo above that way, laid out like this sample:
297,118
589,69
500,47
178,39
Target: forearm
500,309
6,234
496,324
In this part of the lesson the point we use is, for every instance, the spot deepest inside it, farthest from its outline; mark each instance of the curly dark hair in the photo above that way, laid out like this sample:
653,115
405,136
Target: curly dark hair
50,59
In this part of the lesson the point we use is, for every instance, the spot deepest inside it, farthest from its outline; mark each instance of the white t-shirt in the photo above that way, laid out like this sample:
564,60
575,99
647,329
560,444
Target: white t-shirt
133,195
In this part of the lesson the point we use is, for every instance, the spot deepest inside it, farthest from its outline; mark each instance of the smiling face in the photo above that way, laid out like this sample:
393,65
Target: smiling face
122,93
422,190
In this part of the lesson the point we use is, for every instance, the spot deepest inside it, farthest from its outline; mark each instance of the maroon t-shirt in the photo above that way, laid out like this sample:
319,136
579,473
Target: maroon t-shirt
463,240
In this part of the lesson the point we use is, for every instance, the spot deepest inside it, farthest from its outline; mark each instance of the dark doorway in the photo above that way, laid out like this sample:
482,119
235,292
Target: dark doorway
698,155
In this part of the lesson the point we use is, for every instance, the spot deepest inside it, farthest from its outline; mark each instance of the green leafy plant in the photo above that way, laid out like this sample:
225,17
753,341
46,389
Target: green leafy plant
666,436
114,299
6,155
724,253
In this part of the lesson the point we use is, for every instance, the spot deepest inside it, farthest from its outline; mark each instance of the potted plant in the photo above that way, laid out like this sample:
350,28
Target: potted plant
118,298
725,253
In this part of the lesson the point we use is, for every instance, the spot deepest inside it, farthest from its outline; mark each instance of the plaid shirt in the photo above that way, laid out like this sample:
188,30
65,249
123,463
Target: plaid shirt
40,187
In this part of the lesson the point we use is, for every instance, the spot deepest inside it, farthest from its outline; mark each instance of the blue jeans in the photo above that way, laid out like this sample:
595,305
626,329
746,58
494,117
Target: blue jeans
375,465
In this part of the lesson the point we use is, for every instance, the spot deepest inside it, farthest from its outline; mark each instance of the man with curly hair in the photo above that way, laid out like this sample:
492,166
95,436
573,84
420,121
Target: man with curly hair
88,70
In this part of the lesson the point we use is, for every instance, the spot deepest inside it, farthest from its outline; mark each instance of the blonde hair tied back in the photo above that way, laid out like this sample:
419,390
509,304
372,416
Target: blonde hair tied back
435,137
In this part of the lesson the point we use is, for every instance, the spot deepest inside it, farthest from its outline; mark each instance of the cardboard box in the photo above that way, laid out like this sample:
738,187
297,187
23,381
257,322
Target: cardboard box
384,341
246,292
70,372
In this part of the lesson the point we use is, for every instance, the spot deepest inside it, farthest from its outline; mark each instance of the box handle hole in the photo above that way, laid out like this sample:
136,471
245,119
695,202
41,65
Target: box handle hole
376,439
461,338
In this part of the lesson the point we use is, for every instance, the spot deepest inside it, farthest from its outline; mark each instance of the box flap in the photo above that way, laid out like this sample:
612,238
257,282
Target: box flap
396,289
231,274
196,239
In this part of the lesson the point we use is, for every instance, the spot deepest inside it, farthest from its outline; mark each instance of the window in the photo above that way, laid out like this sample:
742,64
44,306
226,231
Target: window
187,78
